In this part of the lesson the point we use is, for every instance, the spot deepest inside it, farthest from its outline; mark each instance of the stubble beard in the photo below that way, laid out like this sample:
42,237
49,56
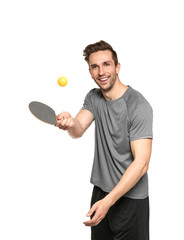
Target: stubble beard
111,84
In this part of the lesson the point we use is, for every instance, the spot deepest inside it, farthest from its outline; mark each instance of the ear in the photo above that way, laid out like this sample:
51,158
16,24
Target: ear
118,68
89,70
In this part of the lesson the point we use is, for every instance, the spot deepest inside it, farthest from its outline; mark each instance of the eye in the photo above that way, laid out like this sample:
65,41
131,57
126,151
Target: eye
94,66
107,64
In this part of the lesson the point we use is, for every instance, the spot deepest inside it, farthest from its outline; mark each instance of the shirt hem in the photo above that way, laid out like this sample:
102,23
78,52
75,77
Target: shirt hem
106,190
136,138
89,109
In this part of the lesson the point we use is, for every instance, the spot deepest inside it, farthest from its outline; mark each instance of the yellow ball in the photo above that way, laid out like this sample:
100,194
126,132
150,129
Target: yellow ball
62,81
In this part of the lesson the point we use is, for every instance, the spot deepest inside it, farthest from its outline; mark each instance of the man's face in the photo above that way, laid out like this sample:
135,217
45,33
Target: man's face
103,70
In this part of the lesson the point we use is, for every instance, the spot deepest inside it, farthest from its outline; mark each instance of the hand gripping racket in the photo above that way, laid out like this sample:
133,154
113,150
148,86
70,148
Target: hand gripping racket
43,112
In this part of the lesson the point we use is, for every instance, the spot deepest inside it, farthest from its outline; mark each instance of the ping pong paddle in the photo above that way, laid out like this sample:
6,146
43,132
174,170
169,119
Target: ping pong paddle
43,112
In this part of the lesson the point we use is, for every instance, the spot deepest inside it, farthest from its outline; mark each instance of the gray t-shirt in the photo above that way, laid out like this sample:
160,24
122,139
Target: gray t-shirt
117,123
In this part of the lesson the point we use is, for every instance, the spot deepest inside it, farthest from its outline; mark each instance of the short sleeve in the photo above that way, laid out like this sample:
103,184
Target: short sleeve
88,102
141,121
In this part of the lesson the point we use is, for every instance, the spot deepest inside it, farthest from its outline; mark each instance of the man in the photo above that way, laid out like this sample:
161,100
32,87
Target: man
123,134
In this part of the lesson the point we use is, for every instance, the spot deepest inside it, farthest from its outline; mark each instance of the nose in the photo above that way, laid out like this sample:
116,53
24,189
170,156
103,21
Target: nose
101,71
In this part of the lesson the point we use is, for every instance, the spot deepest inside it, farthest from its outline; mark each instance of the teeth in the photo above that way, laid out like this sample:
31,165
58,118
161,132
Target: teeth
103,79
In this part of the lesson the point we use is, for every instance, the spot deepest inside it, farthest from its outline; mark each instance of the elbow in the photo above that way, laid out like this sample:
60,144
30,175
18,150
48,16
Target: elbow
145,169
75,136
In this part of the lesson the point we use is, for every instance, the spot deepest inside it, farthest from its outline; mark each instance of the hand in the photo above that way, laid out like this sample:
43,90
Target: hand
99,209
64,121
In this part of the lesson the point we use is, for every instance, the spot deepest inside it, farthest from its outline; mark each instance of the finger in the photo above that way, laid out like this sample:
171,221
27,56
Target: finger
69,124
95,218
60,116
91,211
65,124
57,124
93,222
64,121
63,115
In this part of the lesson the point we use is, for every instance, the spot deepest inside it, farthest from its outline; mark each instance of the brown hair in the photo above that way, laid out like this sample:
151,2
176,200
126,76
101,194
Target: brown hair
99,46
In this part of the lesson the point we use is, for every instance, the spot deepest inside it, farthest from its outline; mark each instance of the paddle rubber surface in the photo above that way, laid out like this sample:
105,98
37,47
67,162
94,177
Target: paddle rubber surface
43,112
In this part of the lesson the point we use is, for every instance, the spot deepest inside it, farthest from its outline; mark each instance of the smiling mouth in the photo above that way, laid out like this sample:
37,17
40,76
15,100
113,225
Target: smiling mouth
103,80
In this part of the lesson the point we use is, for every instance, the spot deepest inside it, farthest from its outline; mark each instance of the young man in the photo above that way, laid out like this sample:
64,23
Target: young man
123,141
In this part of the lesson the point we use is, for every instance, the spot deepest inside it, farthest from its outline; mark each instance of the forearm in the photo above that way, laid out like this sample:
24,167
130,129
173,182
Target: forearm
76,131
141,150
75,126
131,176
129,179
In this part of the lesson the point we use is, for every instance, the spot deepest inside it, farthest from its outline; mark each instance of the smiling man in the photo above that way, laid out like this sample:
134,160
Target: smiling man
103,70
123,141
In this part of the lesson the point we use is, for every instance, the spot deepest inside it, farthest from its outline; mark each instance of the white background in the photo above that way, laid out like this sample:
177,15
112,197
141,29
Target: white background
44,174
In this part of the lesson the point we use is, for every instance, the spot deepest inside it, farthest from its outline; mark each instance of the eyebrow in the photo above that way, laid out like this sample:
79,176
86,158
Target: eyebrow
92,65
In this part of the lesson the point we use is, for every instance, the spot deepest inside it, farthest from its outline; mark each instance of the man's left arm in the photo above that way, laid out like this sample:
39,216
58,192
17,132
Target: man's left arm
141,150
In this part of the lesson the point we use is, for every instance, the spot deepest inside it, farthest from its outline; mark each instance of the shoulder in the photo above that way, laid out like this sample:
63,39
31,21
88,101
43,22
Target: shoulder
94,94
91,100
137,103
134,98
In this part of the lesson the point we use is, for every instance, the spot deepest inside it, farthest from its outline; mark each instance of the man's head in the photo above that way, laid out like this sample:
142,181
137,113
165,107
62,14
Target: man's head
103,64
99,46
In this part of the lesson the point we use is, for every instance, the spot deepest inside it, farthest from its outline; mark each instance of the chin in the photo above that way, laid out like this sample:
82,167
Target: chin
106,89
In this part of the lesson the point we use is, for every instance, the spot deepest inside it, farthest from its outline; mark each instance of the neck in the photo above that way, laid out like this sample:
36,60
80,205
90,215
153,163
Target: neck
116,91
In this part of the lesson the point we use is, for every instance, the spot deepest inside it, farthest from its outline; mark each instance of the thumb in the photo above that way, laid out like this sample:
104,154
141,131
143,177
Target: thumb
63,115
91,211
60,116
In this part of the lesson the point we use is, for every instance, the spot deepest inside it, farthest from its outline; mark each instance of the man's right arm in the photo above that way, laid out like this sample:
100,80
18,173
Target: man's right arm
75,126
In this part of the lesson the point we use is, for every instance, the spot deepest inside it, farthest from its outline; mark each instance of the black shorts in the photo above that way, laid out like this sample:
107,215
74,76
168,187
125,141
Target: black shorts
127,219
